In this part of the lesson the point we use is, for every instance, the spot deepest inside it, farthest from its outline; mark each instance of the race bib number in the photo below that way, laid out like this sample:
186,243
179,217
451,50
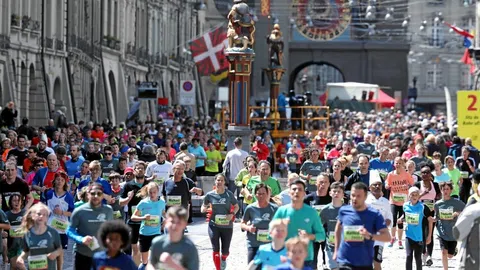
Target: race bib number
35,195
319,208
312,181
174,200
159,180
105,175
412,218
94,244
352,234
15,232
59,224
331,238
382,173
154,221
354,169
464,174
446,214
222,220
263,236
70,179
38,262
429,203
117,214
399,197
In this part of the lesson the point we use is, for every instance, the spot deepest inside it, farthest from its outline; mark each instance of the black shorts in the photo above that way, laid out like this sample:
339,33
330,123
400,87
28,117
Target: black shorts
145,242
378,254
134,232
450,246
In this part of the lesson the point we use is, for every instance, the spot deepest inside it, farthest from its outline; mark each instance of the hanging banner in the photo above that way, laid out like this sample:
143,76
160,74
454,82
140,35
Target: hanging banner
265,7
187,92
468,115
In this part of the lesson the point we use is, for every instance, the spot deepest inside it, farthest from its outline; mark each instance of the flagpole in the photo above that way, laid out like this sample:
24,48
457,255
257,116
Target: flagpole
477,46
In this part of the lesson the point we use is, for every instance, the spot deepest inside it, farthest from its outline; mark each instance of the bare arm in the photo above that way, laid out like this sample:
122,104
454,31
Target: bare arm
29,201
383,236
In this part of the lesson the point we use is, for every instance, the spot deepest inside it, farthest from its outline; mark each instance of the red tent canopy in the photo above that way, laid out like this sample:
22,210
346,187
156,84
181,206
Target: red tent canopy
384,100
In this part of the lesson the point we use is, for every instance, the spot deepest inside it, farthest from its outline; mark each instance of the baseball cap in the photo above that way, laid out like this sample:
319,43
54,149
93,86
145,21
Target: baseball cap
124,149
128,170
412,190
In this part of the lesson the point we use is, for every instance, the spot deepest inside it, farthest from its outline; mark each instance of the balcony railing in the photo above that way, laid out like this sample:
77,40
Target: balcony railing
26,20
4,42
111,42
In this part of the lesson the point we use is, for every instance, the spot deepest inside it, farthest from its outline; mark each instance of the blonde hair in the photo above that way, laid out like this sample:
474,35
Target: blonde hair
143,192
292,242
27,221
276,223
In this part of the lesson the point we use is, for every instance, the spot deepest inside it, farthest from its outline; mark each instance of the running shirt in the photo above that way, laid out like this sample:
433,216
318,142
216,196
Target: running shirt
15,234
161,172
3,220
306,219
271,182
317,202
383,167
65,203
183,252
155,209
118,212
413,219
429,198
383,206
101,261
19,187
39,246
313,169
399,185
454,177
86,220
260,218
269,258
444,177
221,207
178,193
354,249
132,204
445,222
329,215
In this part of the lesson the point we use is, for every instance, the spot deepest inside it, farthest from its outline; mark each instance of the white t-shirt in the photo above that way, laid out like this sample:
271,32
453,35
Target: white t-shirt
235,159
383,206
160,171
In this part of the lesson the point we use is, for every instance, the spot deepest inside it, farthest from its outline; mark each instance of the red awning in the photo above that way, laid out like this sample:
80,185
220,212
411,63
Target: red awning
384,99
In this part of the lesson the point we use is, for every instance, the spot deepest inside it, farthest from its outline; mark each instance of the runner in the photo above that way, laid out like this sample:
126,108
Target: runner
84,224
128,198
297,252
150,211
117,191
376,200
304,220
447,211
398,182
223,206
256,218
429,194
454,174
264,177
466,165
15,233
61,206
96,177
329,216
159,170
174,250
357,228
312,168
270,255
414,214
41,243
114,237
14,185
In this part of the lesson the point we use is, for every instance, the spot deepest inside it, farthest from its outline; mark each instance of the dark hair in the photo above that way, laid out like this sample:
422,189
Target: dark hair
260,186
183,146
11,199
263,162
34,148
363,156
21,136
120,159
442,184
337,185
476,176
140,162
178,211
299,181
61,150
94,185
237,141
64,175
107,148
114,226
359,186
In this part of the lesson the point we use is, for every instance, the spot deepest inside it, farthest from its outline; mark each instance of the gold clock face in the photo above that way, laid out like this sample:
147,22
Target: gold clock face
329,18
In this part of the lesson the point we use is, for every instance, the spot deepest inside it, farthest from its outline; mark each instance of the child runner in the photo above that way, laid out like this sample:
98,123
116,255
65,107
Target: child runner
114,236
414,213
117,191
174,250
329,216
446,212
398,182
270,255
150,211
220,228
297,252
15,233
41,243
61,205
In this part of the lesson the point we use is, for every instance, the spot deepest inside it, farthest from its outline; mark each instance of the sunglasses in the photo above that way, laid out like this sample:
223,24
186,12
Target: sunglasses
38,165
108,154
425,172
97,194
31,152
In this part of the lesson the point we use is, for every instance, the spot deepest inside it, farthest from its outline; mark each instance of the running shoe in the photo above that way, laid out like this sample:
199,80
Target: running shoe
391,242
223,265
424,259
455,253
429,261
400,245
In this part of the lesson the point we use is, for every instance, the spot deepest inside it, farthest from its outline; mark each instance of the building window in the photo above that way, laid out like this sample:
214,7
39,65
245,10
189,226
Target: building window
438,37
434,76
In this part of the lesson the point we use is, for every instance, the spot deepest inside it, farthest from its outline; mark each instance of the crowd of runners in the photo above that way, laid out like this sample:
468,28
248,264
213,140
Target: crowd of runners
123,195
